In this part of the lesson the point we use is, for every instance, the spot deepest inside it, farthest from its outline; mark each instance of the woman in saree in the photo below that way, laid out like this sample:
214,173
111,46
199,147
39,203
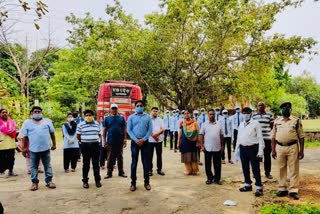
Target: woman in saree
188,138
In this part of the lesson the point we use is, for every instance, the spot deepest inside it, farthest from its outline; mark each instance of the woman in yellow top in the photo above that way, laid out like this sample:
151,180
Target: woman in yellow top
7,144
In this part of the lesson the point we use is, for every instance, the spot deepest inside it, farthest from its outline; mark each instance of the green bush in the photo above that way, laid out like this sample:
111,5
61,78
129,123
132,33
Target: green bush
287,209
53,111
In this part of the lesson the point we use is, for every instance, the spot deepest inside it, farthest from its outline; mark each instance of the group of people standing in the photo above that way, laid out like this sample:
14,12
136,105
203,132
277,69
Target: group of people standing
255,136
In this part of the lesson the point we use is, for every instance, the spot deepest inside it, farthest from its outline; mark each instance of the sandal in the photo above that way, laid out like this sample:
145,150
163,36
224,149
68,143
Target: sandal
73,170
34,187
67,171
51,185
187,173
196,173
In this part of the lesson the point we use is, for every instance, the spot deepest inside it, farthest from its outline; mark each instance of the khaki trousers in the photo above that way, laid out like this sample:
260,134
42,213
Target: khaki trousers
192,167
287,157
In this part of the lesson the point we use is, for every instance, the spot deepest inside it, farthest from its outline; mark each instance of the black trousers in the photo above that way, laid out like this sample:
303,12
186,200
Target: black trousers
6,159
214,157
70,155
175,135
235,137
267,157
199,152
103,155
158,148
227,140
166,133
90,151
115,152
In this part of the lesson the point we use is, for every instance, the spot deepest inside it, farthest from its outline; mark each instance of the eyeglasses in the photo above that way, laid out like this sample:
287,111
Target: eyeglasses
139,106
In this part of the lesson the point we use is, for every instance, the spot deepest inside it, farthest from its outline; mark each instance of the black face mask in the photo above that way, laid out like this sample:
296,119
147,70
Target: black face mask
285,112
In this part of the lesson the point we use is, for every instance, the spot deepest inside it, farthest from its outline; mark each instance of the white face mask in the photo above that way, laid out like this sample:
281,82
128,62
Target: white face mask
246,117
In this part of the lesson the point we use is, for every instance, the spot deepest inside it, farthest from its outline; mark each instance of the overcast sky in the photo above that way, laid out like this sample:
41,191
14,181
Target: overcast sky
303,21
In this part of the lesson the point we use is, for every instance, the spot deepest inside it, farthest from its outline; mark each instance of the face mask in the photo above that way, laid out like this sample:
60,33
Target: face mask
139,109
285,112
237,110
70,119
217,112
203,113
225,116
89,119
37,116
167,114
246,117
195,117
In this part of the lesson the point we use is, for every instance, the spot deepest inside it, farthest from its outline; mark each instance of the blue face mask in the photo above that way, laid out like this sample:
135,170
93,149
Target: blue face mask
139,109
237,110
70,119
225,116
37,116
203,113
217,112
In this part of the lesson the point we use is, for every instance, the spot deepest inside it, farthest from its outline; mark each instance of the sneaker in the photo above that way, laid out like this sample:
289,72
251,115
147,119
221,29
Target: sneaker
245,189
258,193
85,185
12,174
282,193
3,176
294,195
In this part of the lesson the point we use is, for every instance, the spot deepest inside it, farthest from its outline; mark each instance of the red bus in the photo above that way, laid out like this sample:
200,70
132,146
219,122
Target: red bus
123,93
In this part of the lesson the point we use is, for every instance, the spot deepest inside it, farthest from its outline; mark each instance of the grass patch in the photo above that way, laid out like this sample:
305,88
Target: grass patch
311,144
287,209
311,125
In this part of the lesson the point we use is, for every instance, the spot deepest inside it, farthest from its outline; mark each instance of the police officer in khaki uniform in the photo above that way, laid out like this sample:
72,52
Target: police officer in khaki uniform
287,137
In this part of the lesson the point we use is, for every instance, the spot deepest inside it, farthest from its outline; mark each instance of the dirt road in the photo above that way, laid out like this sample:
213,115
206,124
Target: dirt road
173,193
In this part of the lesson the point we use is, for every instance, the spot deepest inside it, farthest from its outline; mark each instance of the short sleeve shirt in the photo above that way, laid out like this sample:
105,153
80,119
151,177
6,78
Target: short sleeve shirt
38,134
115,129
89,132
156,127
287,131
211,133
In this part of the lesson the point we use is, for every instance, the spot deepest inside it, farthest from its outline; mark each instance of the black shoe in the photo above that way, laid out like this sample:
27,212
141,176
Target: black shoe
269,176
160,173
150,174
218,182
123,175
200,164
209,182
282,193
108,176
98,184
85,185
245,189
259,192
294,195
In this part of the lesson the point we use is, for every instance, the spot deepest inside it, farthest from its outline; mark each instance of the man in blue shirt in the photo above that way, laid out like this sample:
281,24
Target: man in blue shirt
88,134
139,129
39,131
115,131
166,121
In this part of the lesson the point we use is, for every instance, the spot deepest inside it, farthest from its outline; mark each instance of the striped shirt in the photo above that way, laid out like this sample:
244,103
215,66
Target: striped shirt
89,132
265,120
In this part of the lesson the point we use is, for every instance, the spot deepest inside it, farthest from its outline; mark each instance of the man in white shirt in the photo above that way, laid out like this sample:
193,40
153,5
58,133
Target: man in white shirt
166,121
155,141
226,125
251,145
237,119
211,139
